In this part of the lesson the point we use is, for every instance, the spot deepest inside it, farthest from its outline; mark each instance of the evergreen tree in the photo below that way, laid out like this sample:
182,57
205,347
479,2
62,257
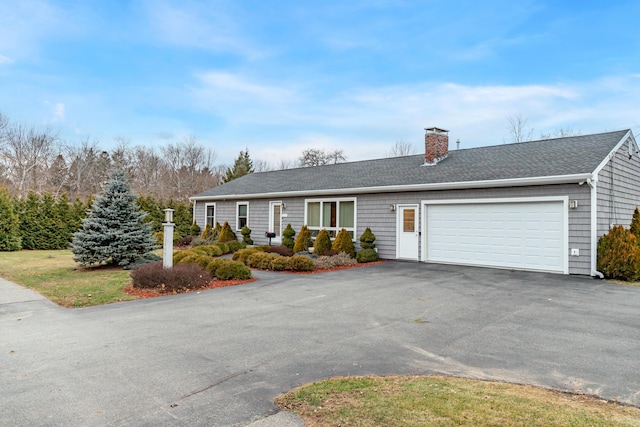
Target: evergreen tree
635,223
65,222
29,213
9,224
115,231
242,167
49,228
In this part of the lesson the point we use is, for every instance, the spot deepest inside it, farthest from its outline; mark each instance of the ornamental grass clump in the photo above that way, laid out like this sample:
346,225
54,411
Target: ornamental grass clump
322,245
303,242
343,243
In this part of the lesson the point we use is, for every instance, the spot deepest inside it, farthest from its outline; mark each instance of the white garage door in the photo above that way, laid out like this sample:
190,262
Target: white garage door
528,236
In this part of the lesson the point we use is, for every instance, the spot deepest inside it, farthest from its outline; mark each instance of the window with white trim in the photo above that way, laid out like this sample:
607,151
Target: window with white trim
331,214
242,215
210,214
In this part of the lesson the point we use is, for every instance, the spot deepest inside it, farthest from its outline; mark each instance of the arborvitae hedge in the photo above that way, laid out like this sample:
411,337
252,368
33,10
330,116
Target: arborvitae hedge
635,223
303,242
9,224
343,243
619,255
323,243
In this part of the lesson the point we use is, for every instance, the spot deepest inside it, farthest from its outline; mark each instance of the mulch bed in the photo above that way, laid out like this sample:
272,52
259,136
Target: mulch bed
152,293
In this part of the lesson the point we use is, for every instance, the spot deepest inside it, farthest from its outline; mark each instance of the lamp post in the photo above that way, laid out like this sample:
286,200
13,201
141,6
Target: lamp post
167,247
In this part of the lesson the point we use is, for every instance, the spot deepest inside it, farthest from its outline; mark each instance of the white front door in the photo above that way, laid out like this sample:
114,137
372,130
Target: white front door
275,220
407,232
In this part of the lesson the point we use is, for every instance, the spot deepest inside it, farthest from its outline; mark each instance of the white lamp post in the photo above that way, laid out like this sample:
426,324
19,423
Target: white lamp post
167,247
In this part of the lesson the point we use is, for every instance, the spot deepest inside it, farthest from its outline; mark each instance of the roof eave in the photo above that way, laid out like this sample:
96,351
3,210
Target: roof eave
512,182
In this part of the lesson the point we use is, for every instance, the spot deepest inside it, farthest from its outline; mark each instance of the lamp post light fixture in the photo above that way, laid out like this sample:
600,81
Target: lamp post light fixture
167,243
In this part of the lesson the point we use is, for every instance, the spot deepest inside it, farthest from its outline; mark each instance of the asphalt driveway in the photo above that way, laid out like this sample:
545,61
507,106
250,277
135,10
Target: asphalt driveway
220,357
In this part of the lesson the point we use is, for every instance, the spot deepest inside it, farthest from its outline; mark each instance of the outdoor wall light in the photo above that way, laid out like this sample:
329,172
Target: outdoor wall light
392,208
284,205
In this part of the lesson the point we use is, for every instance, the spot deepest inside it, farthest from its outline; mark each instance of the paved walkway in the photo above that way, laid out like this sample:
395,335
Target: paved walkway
221,356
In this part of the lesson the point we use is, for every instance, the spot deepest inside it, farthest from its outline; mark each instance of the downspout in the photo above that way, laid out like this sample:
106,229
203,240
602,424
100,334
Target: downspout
594,226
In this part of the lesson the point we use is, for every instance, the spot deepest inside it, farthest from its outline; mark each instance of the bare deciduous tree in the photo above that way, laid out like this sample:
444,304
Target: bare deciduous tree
518,130
560,133
401,148
319,157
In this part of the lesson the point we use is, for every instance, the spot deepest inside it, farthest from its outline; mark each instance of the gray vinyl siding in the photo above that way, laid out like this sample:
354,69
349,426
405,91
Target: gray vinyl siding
373,211
618,190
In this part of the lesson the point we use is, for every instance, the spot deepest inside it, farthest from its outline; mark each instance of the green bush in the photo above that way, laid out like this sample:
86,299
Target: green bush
206,233
261,260
619,254
194,230
177,279
211,250
246,235
233,270
635,223
303,242
300,263
226,234
224,247
323,243
215,263
243,254
216,231
367,238
235,246
343,243
279,263
287,236
178,255
367,255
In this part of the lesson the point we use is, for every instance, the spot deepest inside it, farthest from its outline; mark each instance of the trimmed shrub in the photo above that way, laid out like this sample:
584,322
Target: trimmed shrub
303,242
261,260
619,254
227,234
306,254
215,263
216,231
194,230
176,279
206,233
279,263
223,247
324,262
246,235
300,263
367,238
280,250
233,270
184,241
342,259
322,243
367,255
235,246
343,243
210,250
287,236
243,254
178,255
635,223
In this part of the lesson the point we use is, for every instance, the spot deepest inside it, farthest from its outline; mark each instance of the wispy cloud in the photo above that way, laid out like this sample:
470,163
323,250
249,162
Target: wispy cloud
6,60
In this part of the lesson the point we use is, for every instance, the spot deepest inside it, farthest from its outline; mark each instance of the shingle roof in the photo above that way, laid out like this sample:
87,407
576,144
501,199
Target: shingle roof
545,158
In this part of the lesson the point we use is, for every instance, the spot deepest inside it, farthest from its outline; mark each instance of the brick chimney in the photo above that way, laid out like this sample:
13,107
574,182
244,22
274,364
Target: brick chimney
436,145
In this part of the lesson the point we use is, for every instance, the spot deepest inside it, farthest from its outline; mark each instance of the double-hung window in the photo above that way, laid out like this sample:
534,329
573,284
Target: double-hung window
210,214
331,214
242,215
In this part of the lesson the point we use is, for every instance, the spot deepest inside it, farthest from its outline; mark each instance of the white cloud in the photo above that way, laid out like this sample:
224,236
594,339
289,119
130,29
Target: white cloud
58,112
6,60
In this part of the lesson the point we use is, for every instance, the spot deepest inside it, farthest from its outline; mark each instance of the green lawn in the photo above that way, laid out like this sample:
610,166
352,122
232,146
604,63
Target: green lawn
55,275
447,401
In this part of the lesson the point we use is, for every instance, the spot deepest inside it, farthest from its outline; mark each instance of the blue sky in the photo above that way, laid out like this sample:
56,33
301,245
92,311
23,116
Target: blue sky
277,77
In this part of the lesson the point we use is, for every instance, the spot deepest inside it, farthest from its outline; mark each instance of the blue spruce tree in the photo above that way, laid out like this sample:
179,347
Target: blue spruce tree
115,231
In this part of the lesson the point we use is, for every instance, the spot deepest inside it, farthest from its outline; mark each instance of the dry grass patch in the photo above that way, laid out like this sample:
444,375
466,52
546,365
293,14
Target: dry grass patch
55,275
447,401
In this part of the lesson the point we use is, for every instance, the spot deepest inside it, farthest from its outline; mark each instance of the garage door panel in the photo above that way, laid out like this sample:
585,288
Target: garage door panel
514,235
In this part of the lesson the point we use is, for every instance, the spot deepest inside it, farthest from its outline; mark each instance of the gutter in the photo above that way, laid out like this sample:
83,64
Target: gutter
593,183
512,182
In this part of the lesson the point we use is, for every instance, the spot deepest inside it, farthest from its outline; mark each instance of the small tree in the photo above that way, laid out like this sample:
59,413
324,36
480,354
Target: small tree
115,231
216,231
9,224
323,243
367,238
303,242
206,233
242,166
619,254
635,223
246,235
227,234
343,243
287,236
